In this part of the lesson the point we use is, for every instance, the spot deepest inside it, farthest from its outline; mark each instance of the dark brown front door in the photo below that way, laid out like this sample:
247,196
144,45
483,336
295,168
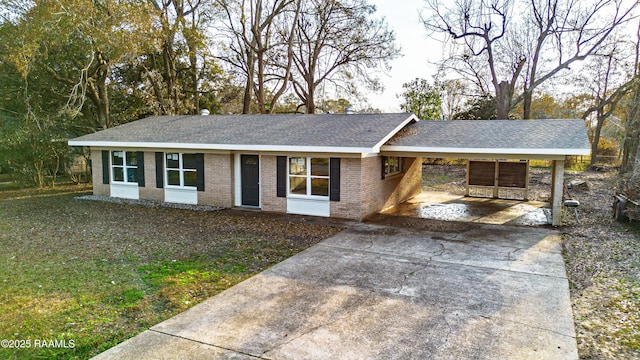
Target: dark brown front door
250,174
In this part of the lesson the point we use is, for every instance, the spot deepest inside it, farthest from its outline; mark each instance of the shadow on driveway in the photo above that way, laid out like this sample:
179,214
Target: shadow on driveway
385,292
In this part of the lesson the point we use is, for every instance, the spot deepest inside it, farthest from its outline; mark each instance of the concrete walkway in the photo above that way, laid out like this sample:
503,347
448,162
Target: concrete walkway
379,292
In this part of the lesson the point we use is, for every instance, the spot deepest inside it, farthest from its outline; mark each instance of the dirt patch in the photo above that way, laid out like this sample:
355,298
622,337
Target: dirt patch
602,258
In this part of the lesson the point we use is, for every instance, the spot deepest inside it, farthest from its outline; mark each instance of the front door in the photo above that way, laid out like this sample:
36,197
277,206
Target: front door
250,178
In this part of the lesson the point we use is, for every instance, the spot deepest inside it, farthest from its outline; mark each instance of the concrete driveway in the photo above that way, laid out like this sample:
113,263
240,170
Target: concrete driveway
380,292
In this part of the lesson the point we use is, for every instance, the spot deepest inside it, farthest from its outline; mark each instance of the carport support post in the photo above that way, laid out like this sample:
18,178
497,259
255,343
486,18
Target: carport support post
557,180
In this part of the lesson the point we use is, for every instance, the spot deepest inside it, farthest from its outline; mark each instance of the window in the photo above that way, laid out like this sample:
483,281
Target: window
309,176
391,165
124,166
181,170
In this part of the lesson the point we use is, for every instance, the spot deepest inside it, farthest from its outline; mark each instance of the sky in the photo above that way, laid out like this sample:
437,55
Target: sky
403,17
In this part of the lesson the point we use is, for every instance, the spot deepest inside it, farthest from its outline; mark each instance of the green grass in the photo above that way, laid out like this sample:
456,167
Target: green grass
99,273
7,183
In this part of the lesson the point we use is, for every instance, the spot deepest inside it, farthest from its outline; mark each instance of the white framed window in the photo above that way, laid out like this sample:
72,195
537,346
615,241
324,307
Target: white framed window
309,176
391,165
181,170
124,167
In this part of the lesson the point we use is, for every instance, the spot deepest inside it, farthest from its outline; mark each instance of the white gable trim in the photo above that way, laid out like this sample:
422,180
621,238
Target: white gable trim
406,122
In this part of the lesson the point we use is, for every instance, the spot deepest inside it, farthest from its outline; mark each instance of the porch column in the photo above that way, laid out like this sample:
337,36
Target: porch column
557,188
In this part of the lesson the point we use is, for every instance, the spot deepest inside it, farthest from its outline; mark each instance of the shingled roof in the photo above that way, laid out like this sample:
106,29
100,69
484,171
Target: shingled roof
519,137
356,133
363,133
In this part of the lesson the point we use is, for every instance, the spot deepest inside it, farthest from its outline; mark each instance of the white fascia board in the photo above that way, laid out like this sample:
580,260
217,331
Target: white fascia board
499,151
384,140
231,147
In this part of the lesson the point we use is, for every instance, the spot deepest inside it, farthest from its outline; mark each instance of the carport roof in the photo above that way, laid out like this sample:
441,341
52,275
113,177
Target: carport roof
534,138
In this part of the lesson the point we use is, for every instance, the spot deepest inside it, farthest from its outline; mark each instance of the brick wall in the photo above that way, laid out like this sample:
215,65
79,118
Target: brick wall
401,188
218,180
268,182
96,173
363,192
150,191
372,187
378,193
350,203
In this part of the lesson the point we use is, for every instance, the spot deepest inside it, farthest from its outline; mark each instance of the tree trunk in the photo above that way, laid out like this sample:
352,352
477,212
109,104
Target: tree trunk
310,99
170,77
261,95
503,100
103,95
246,102
193,72
596,137
632,135
526,105
248,90
98,92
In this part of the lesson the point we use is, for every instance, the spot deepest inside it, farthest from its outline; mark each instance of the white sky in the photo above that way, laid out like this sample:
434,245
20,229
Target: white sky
403,17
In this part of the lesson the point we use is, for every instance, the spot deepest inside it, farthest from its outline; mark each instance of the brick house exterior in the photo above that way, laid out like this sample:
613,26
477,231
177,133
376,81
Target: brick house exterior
346,166
140,161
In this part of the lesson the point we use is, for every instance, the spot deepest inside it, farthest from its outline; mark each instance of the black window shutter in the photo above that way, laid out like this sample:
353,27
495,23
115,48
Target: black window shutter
334,180
105,166
140,170
159,170
383,158
281,181
200,171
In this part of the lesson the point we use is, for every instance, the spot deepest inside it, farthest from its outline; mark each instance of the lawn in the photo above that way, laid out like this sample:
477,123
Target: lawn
89,274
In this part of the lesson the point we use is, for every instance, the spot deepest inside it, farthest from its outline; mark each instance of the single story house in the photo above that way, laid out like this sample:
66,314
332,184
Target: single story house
346,165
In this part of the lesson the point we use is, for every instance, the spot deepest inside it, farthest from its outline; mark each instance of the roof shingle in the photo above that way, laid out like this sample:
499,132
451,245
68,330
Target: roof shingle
347,133
354,130
545,134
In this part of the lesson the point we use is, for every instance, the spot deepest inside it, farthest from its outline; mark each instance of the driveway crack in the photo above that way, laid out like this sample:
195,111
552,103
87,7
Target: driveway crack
446,321
207,344
511,253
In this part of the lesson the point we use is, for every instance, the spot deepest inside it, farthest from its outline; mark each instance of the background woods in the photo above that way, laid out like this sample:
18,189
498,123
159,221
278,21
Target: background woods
71,67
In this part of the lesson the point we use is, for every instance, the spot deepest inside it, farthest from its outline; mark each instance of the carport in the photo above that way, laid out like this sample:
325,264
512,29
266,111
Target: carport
497,141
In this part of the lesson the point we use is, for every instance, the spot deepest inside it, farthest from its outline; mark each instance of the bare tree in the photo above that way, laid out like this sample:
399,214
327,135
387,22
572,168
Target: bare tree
606,88
261,47
631,141
520,52
174,77
452,93
338,42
